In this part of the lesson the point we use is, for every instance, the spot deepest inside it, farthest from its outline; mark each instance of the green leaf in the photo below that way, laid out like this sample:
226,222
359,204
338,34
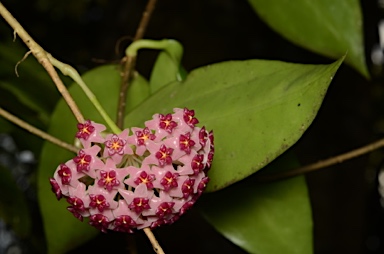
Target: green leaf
23,138
165,71
264,218
33,82
257,110
63,231
327,27
137,92
13,206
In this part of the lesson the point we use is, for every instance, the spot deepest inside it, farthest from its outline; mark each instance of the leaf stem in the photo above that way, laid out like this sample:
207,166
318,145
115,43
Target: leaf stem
68,70
173,47
17,121
155,244
41,56
129,63
324,163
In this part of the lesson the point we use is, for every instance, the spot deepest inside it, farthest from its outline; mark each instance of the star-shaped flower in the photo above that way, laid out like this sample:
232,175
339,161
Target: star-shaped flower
116,146
90,132
140,175
110,177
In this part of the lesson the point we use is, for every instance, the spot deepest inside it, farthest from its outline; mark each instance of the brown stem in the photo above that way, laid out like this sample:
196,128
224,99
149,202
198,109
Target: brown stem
41,56
324,163
36,131
155,244
129,64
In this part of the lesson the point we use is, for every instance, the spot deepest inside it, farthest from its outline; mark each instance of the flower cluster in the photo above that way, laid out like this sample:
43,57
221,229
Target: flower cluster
146,178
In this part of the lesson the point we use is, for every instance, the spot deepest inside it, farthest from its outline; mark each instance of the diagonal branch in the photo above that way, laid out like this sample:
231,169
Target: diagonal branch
129,64
37,132
41,56
323,163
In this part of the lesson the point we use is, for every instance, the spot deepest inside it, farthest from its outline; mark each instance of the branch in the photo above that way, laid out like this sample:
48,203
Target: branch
41,56
36,131
155,244
324,163
129,64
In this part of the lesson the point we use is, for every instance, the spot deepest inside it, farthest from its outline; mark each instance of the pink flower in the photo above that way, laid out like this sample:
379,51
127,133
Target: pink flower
189,117
148,179
111,177
116,146
65,174
137,201
140,175
161,155
77,207
187,187
100,222
140,139
90,132
100,200
56,188
87,161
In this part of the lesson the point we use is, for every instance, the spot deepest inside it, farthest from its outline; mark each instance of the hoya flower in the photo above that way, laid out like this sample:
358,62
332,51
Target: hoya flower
141,138
110,177
89,132
116,146
87,161
139,178
138,175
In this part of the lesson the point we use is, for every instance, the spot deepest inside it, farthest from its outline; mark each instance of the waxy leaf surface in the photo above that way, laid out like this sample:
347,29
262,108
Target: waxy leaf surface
257,110
165,71
328,27
264,218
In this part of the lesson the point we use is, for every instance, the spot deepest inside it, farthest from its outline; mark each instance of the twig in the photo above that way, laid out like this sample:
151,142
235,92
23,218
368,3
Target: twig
41,56
323,163
129,64
155,244
36,131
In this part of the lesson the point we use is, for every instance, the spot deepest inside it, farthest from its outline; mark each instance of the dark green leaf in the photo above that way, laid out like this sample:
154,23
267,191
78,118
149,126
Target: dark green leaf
265,218
327,27
257,110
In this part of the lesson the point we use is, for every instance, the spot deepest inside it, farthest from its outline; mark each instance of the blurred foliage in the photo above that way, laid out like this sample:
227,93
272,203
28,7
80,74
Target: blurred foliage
17,213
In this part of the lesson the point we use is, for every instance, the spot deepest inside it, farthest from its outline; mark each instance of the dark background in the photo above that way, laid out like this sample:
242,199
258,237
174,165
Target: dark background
348,216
